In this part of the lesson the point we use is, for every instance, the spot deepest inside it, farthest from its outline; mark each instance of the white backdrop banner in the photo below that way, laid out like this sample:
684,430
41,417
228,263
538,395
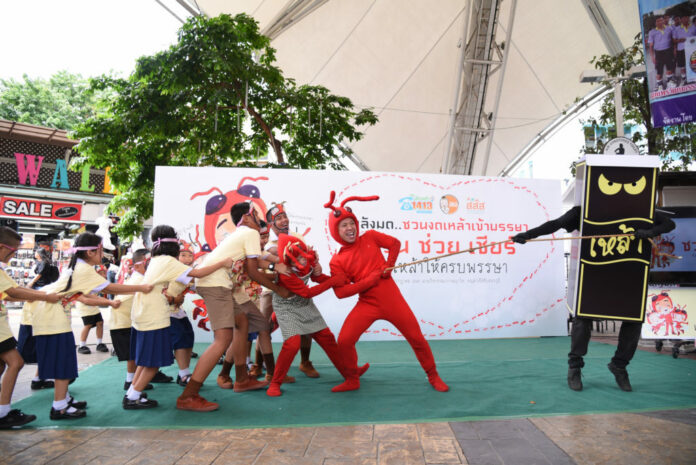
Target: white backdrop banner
507,290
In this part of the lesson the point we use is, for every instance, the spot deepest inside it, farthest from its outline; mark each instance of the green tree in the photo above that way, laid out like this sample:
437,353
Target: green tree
60,102
215,98
665,141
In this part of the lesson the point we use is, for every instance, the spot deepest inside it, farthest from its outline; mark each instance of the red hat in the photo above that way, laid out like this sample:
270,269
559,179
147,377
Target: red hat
185,247
291,248
341,213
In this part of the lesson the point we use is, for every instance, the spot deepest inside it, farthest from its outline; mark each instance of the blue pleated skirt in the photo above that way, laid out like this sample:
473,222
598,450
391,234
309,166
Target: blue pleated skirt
181,333
26,344
152,348
56,356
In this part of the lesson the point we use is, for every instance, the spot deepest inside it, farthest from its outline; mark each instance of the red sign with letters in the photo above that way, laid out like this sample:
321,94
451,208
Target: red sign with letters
39,209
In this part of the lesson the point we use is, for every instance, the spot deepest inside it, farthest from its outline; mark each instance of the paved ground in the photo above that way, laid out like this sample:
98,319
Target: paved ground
665,437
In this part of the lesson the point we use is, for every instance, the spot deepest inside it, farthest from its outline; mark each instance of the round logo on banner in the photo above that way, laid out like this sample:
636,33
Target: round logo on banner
621,146
449,204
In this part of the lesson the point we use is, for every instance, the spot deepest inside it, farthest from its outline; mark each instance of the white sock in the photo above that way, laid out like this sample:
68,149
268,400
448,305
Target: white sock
60,404
36,378
133,394
4,410
99,341
83,343
248,361
185,372
129,377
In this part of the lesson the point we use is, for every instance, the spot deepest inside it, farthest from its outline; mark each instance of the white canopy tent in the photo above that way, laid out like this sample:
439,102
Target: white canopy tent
402,58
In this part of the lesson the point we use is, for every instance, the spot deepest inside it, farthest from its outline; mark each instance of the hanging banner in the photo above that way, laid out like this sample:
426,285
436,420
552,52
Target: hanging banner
39,209
504,290
669,38
670,314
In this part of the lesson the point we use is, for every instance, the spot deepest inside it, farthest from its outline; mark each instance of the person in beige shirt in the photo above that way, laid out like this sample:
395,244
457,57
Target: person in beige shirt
224,315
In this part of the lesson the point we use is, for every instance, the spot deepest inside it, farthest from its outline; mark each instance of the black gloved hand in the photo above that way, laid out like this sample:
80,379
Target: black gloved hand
643,234
521,238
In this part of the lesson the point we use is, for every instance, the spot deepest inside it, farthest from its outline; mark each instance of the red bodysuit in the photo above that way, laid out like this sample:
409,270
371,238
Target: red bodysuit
363,265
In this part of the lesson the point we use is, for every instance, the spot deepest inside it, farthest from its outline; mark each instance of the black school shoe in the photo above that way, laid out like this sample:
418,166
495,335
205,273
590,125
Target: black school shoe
194,355
182,381
84,350
102,348
138,404
127,386
15,418
41,384
78,404
161,378
65,415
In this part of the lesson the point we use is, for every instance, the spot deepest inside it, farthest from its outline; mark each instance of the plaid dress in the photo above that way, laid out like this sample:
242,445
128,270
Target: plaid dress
297,315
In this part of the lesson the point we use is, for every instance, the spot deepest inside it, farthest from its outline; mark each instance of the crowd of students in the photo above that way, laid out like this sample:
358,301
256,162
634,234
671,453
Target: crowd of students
250,286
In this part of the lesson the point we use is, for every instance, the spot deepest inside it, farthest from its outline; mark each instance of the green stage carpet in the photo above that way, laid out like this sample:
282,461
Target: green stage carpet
500,378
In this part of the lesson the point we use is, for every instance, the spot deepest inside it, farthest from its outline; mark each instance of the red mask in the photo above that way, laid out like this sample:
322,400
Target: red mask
291,248
341,213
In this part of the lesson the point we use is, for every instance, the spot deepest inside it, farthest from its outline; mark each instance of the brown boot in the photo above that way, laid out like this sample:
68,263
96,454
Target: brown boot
308,369
244,382
256,371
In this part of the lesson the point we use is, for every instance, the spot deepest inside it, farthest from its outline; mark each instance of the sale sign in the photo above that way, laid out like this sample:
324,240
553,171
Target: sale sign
15,207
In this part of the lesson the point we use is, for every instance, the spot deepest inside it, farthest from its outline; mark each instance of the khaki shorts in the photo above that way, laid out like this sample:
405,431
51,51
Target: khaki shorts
257,322
221,307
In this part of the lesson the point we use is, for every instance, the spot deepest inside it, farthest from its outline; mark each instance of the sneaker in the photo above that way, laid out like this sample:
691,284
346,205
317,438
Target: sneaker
138,404
84,350
127,385
102,348
161,378
255,371
15,418
575,379
287,379
65,415
225,382
621,376
308,369
41,384
196,403
182,381
250,384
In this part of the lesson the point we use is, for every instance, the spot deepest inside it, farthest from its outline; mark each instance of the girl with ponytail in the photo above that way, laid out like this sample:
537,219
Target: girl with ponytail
55,343
150,337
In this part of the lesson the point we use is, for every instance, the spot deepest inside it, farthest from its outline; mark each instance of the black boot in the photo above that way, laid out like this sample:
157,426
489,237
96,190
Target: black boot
621,376
575,379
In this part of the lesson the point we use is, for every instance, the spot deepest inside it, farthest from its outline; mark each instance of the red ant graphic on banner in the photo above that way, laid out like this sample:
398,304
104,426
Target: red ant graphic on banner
200,311
665,314
218,223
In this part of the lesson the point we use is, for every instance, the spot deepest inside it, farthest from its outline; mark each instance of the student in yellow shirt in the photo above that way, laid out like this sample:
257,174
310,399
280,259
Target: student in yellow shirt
225,316
91,318
150,338
120,320
9,356
55,343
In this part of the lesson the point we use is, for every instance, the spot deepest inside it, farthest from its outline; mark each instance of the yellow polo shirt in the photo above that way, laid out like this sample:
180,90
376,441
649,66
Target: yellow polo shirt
86,310
151,311
121,316
244,242
5,283
48,318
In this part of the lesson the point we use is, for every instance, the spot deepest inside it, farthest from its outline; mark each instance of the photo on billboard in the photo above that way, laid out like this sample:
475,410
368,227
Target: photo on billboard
669,40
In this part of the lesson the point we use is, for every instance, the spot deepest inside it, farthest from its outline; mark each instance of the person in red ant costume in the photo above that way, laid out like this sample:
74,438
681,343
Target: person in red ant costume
361,261
297,315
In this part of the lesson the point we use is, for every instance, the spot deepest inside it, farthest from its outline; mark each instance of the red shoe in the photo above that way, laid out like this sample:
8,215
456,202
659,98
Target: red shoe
347,385
196,404
274,390
437,383
249,385
363,369
225,382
